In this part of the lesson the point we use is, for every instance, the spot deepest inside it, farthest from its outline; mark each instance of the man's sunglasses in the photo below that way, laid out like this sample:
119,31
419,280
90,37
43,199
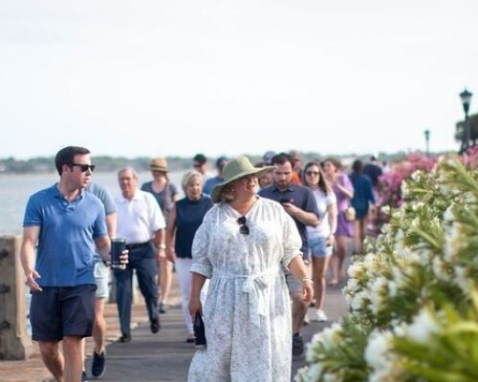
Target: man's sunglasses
243,229
83,167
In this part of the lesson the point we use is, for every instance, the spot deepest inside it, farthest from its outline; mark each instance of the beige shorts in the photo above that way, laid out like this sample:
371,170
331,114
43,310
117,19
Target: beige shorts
102,278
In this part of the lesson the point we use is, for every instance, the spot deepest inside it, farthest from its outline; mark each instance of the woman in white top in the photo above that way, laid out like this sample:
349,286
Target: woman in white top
321,238
244,246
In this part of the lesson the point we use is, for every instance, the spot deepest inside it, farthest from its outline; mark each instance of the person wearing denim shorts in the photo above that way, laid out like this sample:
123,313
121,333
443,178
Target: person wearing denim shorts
68,224
321,238
101,272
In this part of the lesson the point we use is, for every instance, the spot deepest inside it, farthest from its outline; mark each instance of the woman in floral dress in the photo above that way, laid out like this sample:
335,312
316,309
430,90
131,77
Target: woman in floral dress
244,245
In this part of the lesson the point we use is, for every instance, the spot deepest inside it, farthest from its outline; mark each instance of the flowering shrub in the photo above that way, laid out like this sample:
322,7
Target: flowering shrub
425,257
389,189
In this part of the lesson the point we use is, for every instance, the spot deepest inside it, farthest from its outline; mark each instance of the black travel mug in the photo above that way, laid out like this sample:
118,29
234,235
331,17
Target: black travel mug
118,245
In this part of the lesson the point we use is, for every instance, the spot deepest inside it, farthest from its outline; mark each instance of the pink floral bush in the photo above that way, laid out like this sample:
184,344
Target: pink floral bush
388,191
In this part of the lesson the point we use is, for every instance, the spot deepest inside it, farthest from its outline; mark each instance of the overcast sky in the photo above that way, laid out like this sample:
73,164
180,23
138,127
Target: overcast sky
148,78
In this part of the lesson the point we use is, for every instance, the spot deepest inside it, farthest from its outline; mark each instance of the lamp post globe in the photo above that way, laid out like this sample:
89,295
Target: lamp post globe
427,141
465,97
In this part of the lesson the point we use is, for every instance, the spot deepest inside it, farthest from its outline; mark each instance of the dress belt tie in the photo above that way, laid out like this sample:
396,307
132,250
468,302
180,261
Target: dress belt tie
254,286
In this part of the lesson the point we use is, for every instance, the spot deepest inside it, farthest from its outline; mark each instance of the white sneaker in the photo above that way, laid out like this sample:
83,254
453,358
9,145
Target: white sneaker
306,319
321,317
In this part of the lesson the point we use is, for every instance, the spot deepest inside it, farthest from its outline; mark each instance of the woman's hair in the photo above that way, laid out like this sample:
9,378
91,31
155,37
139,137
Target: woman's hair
163,173
335,162
227,194
324,186
189,177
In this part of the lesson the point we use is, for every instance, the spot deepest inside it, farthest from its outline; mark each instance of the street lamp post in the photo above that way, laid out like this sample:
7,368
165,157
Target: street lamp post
427,141
465,97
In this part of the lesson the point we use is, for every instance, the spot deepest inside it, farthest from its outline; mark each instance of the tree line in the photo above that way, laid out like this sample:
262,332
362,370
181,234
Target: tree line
175,163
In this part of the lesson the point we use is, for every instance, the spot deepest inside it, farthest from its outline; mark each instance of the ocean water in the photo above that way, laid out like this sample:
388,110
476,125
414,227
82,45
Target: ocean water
16,189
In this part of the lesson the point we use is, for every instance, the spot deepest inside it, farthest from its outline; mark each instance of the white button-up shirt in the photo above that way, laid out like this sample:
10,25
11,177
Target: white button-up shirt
138,218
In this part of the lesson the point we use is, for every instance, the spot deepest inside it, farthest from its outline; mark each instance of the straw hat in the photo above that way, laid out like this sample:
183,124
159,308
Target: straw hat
233,170
159,164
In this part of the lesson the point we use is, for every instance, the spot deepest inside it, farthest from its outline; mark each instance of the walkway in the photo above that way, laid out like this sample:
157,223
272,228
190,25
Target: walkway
162,357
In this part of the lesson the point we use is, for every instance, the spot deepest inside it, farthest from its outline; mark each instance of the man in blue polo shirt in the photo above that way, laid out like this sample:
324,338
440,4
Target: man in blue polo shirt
68,224
299,202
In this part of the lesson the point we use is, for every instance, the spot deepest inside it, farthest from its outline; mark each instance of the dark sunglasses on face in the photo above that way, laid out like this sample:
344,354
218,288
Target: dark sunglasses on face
312,173
84,167
243,229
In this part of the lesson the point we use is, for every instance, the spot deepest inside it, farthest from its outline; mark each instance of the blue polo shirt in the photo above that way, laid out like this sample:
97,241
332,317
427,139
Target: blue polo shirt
299,196
66,247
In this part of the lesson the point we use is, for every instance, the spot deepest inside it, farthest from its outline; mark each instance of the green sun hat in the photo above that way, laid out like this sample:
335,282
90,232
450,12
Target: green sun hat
235,169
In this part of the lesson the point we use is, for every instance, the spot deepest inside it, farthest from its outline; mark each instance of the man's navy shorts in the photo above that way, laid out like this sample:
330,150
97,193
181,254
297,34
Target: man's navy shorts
57,312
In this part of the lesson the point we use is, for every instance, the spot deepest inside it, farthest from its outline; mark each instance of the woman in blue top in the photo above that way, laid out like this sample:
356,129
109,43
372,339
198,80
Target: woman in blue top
184,219
362,200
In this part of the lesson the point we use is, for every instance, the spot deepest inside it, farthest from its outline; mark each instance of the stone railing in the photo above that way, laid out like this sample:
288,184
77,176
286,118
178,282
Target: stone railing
14,340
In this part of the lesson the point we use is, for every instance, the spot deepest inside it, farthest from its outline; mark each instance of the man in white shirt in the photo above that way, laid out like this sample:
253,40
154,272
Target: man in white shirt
141,223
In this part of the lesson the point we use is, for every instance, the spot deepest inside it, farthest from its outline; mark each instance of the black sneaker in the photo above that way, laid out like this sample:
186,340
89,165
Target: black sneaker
98,365
83,377
155,325
125,338
297,345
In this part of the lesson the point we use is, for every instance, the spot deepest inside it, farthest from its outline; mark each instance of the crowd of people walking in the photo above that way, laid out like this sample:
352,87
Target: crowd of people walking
251,247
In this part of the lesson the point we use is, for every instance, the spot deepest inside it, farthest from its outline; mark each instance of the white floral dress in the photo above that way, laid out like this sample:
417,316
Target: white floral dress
247,311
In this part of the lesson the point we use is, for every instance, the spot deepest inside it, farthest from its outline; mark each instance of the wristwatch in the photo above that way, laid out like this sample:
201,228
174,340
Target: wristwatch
162,246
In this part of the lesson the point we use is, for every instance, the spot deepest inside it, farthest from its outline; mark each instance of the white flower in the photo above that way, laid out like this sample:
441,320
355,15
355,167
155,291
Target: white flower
328,338
331,377
399,328
356,270
422,327
315,372
387,210
353,285
448,215
401,250
378,294
415,223
440,269
392,288
462,279
379,356
358,301
416,176
424,257
378,348
404,189
399,277
417,206
453,241
372,264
